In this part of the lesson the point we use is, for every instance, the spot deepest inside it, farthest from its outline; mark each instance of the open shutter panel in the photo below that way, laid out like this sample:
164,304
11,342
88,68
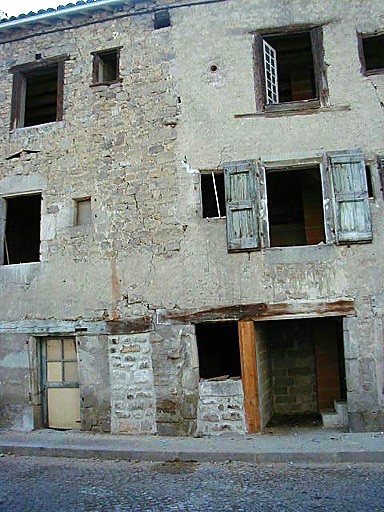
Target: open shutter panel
351,201
270,72
241,205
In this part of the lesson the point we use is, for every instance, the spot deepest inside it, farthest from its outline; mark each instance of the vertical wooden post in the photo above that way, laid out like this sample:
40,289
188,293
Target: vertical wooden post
249,374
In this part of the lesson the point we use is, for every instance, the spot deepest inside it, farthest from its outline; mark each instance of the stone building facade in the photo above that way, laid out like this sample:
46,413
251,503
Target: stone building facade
191,215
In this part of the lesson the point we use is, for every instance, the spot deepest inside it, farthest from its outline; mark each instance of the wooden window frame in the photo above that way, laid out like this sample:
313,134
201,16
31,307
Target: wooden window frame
321,84
360,47
20,73
97,62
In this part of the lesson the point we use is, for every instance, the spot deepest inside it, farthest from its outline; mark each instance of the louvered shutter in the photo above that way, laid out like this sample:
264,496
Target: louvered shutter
350,194
270,73
241,205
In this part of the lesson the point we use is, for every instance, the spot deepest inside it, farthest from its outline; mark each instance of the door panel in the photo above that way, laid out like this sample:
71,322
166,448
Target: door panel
60,383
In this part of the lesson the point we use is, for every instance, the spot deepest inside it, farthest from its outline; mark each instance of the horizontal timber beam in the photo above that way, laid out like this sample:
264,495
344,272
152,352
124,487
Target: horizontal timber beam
261,311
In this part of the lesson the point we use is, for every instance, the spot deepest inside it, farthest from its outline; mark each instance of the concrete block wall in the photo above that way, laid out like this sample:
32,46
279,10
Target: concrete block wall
292,352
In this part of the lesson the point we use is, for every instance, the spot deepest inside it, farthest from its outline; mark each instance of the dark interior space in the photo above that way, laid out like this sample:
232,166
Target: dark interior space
295,207
22,231
162,19
218,348
294,66
213,207
108,71
373,47
307,368
41,96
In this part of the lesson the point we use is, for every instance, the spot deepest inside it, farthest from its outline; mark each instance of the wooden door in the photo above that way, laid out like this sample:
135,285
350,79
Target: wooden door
60,383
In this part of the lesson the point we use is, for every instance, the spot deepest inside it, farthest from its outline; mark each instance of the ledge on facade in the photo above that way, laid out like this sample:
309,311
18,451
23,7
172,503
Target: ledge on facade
295,110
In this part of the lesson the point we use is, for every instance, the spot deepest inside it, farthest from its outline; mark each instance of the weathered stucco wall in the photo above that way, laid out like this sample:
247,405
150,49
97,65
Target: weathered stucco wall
136,148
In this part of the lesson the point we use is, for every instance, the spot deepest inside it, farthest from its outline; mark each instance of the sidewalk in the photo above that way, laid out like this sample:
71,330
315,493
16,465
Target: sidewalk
318,446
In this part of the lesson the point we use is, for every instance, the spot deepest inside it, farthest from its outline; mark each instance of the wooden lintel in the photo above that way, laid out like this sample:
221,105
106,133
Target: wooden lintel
263,311
249,375
82,327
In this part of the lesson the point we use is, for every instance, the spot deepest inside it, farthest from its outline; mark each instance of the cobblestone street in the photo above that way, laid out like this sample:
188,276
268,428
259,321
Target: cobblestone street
54,484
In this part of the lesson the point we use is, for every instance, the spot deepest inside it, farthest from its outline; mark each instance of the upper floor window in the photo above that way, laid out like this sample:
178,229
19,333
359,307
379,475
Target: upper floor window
37,96
301,205
290,70
106,66
372,53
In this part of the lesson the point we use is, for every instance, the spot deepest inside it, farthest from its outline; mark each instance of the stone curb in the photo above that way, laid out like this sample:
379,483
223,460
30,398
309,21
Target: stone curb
196,456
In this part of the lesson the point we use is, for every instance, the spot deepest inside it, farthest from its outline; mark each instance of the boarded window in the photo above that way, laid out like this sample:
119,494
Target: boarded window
83,213
22,230
290,68
295,207
37,94
373,53
162,19
213,194
218,348
350,195
106,66
241,188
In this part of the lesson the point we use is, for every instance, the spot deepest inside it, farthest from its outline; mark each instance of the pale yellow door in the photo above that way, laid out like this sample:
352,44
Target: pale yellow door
60,373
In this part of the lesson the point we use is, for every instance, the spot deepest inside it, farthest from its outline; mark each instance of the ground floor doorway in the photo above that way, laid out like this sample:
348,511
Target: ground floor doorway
60,383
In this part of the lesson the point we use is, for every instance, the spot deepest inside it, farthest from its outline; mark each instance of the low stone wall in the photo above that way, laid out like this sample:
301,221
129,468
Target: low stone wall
220,408
132,387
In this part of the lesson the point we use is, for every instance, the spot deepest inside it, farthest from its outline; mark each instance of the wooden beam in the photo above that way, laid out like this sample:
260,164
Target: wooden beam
262,311
249,375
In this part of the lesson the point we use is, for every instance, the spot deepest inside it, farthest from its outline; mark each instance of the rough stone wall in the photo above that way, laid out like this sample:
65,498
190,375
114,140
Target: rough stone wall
132,387
220,408
92,358
291,345
137,148
15,383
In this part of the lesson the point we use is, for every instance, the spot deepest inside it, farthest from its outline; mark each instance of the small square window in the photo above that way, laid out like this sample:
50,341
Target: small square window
162,19
373,53
83,213
106,66
21,236
37,94
213,194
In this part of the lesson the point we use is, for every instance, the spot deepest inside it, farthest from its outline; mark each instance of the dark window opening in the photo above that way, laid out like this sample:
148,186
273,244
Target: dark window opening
373,48
162,19
83,212
369,181
106,67
295,207
294,68
22,229
41,96
213,194
218,348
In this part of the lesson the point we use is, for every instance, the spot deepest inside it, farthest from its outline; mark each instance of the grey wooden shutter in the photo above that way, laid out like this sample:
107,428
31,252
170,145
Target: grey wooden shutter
241,205
350,194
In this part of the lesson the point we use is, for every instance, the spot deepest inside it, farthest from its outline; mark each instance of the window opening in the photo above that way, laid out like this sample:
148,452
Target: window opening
83,212
289,68
213,194
368,173
106,67
295,207
37,94
162,19
218,348
373,49
22,229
